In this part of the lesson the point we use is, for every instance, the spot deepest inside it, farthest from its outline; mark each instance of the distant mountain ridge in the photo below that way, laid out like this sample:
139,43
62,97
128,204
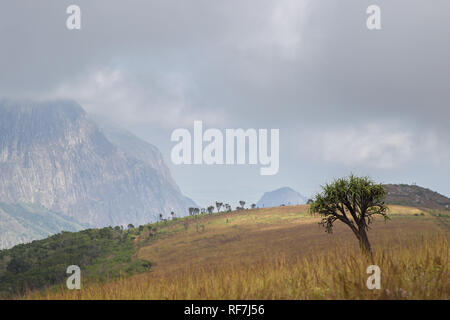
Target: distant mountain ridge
416,196
398,194
22,223
53,155
282,196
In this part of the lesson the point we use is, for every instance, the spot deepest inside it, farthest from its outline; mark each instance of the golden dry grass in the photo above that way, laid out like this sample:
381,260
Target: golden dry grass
281,253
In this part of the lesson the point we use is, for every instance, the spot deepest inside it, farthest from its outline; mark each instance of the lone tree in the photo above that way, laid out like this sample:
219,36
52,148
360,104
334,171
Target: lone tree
354,201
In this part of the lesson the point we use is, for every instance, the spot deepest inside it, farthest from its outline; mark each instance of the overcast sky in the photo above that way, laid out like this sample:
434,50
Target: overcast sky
345,99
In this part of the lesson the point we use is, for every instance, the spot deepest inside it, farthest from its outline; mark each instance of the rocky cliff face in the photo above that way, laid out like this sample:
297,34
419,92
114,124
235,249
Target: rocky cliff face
52,154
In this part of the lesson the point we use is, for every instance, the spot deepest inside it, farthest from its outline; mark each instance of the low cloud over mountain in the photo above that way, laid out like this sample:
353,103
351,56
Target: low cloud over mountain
52,154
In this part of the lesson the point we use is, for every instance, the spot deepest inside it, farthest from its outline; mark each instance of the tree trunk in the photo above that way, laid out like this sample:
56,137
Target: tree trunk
364,243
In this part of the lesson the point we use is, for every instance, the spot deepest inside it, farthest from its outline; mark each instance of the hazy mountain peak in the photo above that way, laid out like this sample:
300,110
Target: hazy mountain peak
67,107
281,196
52,154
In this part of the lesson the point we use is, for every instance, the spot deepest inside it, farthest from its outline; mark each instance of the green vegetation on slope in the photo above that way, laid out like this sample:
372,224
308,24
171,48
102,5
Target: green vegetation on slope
279,253
202,245
100,253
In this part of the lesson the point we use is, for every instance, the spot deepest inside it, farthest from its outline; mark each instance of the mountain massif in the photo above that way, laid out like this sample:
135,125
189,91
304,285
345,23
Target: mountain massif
283,196
53,155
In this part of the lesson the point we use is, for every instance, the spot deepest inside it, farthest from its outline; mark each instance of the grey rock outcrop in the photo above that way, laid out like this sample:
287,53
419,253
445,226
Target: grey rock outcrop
52,154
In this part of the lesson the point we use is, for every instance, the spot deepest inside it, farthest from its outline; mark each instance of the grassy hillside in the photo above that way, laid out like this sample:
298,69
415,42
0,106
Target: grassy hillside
281,253
22,222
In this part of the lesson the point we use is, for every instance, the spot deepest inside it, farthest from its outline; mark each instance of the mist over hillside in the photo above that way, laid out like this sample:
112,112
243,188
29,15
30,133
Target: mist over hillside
22,223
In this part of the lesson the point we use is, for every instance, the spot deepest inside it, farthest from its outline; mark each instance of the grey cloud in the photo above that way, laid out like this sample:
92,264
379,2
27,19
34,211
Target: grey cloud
300,66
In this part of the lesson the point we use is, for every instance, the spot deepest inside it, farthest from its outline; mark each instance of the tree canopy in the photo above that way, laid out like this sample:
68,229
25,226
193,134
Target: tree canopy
354,201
